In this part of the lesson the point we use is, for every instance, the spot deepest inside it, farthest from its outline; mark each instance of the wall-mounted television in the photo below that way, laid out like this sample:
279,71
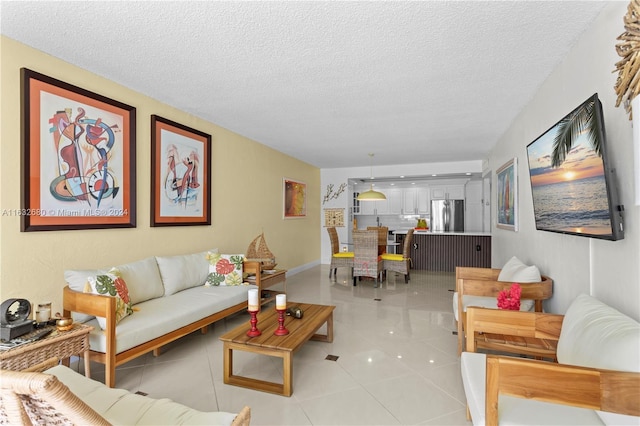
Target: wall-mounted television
573,185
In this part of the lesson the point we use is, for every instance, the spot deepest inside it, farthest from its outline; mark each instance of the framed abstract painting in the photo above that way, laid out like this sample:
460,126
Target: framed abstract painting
78,157
180,174
507,192
294,198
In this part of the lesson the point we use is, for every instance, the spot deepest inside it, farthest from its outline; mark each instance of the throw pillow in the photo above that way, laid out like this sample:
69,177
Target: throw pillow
111,284
517,272
224,269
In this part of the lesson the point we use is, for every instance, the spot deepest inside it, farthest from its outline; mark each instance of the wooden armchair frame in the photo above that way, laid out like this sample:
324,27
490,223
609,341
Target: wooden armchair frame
484,282
592,388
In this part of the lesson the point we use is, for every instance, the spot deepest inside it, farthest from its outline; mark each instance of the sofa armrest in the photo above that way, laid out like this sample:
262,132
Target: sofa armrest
87,303
525,333
100,306
596,389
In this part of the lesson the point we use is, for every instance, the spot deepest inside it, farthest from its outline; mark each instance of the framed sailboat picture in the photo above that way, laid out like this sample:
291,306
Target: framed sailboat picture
507,192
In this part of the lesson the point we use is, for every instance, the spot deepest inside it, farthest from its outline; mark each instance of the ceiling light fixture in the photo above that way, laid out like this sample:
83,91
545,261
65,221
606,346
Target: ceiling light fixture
371,195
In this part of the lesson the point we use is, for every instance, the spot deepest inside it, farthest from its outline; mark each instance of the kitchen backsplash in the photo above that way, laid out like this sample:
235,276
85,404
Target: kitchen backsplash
392,222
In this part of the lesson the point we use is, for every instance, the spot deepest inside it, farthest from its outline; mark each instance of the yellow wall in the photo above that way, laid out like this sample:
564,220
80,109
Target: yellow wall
246,194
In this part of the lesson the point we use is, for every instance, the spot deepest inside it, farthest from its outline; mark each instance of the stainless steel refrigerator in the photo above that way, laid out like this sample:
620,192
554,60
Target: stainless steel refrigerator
447,216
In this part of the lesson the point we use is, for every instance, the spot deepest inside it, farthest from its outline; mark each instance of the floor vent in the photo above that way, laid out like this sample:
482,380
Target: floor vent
332,357
141,393
378,300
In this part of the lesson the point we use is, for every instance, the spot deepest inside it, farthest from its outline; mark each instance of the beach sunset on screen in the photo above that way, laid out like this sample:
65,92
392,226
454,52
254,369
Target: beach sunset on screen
582,162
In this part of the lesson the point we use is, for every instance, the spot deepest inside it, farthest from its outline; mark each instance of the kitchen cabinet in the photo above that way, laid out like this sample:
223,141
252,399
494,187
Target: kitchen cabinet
442,252
453,192
416,200
394,201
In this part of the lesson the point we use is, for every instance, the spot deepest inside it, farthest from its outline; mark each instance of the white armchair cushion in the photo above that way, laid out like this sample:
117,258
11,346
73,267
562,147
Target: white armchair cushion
517,272
596,335
121,407
515,411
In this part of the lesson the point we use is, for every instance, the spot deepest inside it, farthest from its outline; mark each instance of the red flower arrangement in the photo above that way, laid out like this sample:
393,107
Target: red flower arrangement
510,299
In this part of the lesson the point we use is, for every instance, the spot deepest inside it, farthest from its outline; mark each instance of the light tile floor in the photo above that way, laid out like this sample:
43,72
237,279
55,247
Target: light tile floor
397,360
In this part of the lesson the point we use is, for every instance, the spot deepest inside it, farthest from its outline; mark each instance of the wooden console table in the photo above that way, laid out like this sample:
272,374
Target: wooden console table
265,280
59,344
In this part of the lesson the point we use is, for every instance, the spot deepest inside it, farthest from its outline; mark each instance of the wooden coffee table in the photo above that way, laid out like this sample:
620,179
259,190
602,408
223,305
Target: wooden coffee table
300,331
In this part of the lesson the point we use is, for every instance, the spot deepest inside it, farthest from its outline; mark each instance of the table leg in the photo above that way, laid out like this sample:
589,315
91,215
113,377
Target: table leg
325,337
227,355
287,367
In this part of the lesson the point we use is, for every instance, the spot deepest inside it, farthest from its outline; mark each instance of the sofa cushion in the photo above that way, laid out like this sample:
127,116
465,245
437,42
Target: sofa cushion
486,302
157,317
517,272
120,407
143,279
224,269
511,410
111,284
589,326
184,271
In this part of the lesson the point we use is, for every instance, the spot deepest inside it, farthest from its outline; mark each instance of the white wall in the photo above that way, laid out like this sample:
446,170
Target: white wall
607,270
342,175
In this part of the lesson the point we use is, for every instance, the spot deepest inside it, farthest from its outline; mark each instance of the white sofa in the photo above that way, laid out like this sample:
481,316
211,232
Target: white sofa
528,392
169,298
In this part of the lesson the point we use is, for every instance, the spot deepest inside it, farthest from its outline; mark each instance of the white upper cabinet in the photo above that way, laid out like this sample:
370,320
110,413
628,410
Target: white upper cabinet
423,200
410,203
453,192
394,200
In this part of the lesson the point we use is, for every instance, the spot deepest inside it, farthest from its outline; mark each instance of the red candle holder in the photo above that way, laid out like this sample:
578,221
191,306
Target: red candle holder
281,331
254,332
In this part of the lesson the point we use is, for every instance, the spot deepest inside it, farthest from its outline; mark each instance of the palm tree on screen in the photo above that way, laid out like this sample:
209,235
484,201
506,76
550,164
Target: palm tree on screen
570,128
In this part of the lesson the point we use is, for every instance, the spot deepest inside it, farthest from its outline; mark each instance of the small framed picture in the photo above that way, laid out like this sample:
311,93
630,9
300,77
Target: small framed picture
294,198
507,193
180,174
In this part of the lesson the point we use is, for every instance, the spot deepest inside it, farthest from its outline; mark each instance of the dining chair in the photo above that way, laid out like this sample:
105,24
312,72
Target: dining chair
366,261
400,263
383,236
338,259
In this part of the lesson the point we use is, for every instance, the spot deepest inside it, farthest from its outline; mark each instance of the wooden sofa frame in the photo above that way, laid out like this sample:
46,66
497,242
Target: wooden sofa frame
484,282
592,388
105,306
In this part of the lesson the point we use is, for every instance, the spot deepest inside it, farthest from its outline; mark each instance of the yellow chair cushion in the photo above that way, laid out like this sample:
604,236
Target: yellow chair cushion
391,256
344,254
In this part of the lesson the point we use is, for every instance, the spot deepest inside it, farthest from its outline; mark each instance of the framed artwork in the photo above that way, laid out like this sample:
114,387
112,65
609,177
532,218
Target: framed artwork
295,198
333,217
508,195
78,157
180,174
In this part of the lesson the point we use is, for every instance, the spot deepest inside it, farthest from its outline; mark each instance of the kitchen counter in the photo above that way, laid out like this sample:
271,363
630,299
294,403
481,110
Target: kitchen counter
443,251
429,232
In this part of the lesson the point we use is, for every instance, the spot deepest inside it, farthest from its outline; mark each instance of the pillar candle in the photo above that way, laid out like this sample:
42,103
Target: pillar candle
254,301
281,301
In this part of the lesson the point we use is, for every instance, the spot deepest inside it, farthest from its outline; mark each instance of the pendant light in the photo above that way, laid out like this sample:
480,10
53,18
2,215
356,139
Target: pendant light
371,195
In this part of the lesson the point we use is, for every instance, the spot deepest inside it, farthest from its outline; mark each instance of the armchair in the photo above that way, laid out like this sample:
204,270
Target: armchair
54,394
480,287
596,379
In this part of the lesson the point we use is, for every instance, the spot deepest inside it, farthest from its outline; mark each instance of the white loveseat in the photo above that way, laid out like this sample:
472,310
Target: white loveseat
596,379
169,298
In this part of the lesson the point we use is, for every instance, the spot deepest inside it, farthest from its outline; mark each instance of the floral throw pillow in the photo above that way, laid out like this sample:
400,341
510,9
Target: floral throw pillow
111,284
224,269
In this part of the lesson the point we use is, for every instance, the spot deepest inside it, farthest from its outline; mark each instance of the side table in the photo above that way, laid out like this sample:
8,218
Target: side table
59,344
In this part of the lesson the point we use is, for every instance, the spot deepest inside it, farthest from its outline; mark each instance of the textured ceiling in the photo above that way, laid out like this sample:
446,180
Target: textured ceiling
325,82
